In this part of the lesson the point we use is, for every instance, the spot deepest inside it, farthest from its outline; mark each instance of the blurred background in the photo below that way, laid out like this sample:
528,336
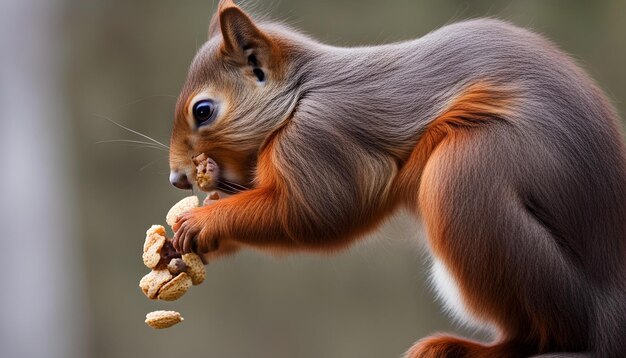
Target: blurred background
75,209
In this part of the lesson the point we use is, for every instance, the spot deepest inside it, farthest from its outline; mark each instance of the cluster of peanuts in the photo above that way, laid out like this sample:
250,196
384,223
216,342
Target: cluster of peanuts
172,274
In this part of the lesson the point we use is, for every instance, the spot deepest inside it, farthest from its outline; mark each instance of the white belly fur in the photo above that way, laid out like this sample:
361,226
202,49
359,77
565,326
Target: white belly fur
448,292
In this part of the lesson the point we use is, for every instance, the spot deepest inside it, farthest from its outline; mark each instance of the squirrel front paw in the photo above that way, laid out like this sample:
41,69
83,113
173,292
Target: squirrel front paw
193,233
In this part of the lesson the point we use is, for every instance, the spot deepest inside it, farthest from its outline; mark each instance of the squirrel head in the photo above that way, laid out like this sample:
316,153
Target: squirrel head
237,93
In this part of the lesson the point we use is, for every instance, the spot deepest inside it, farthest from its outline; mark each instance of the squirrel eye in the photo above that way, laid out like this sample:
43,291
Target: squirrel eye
204,112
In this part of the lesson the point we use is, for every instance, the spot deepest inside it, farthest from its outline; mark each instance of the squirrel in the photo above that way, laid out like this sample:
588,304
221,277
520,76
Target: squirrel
492,137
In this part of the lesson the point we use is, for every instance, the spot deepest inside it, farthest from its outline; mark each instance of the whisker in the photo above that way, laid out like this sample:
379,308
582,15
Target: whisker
150,147
133,131
227,191
227,184
149,164
224,187
126,141
140,143
234,185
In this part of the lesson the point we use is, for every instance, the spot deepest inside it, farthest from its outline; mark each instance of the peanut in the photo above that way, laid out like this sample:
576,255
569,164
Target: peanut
195,268
180,208
155,239
163,319
177,266
151,283
175,288
207,172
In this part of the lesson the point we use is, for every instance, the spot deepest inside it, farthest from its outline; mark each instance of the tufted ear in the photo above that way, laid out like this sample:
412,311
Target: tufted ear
214,25
238,30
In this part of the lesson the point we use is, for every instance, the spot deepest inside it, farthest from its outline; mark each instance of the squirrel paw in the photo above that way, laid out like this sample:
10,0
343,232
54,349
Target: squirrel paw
193,234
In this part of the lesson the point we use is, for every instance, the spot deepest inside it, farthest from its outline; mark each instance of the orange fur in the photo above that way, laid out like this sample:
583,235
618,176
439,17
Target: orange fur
418,185
448,346
479,103
269,208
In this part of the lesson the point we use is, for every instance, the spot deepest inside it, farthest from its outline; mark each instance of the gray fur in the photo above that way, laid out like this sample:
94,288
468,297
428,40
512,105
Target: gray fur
544,188
563,144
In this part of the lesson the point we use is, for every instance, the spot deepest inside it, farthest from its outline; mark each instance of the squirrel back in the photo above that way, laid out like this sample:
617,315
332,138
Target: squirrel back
496,139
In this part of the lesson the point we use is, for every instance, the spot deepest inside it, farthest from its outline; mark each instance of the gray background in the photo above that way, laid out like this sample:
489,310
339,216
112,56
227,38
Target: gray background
79,209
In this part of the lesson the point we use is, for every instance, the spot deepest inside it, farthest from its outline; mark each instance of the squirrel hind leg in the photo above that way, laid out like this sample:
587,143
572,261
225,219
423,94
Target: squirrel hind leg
509,269
441,346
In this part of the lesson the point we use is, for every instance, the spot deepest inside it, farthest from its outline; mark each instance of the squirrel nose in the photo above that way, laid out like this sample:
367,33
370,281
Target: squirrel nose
179,180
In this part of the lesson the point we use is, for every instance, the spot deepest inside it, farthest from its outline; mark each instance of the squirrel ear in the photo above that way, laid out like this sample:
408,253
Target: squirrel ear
239,31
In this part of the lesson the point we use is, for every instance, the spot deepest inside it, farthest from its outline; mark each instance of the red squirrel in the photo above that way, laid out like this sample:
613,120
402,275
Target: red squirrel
496,140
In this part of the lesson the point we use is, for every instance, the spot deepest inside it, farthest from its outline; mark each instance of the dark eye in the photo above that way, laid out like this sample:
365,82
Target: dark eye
204,112
260,76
